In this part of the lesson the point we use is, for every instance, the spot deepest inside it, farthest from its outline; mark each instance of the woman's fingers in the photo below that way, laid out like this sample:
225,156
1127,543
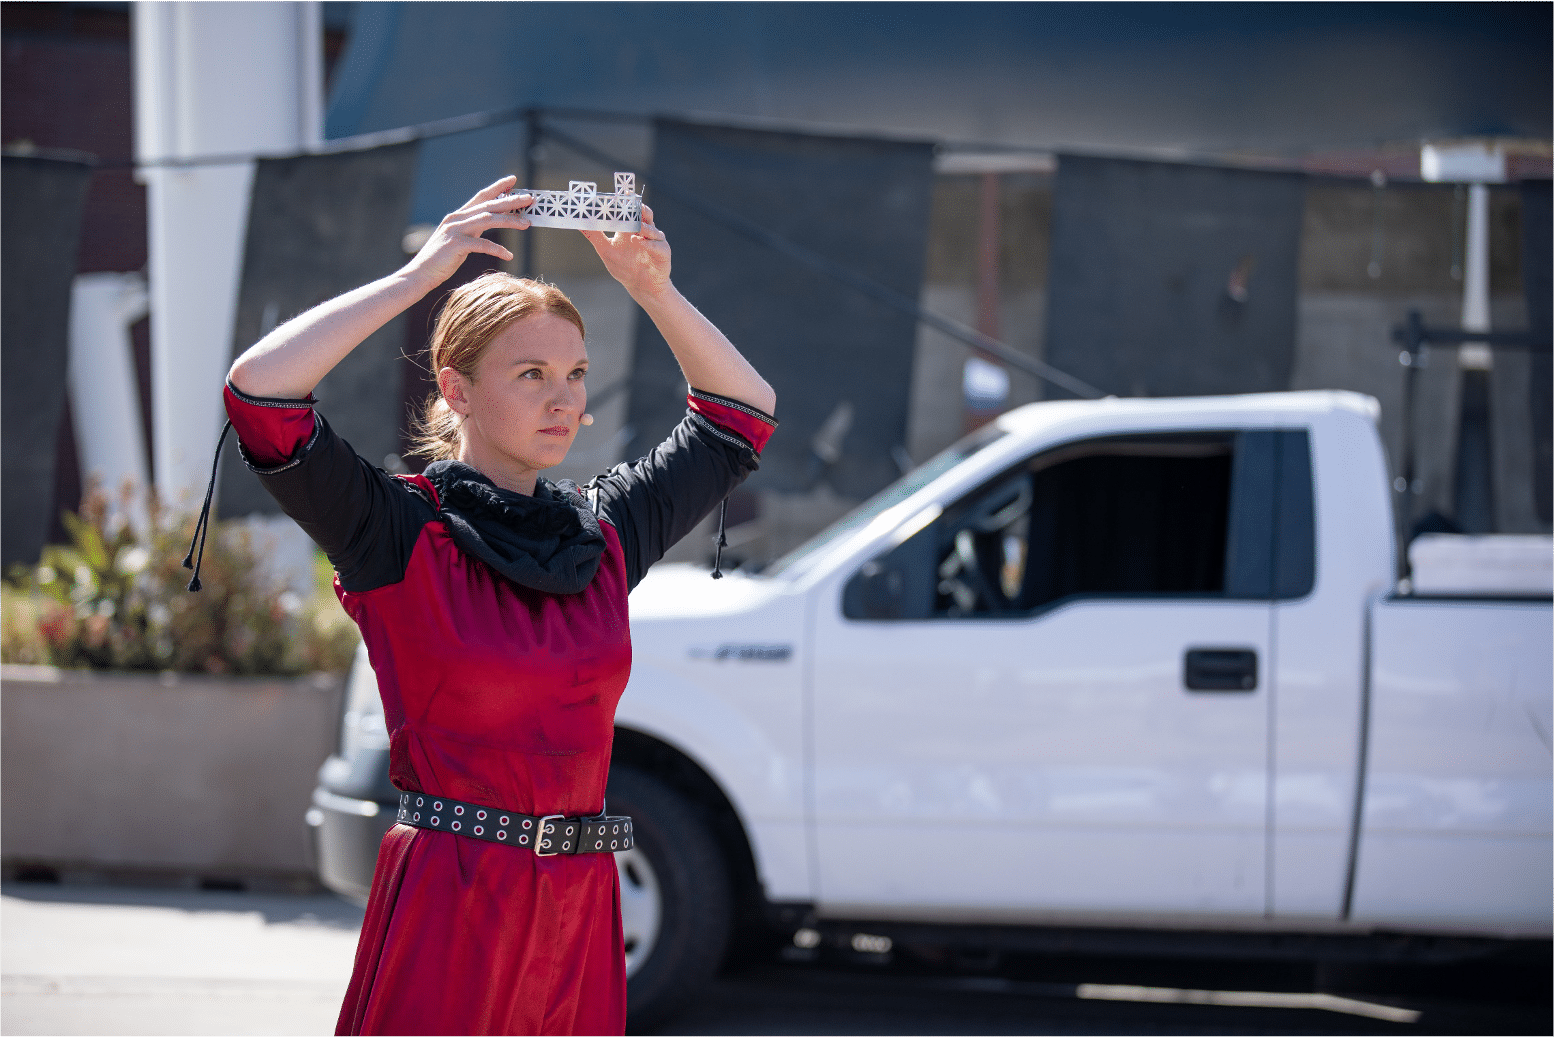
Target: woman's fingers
605,245
466,241
650,231
501,204
512,204
491,248
460,235
492,199
480,222
487,193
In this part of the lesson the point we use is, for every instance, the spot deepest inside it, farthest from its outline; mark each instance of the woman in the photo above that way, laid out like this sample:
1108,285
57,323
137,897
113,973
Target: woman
493,605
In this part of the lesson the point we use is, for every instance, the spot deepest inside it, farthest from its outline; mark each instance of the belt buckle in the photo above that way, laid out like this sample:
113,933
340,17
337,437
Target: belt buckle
539,834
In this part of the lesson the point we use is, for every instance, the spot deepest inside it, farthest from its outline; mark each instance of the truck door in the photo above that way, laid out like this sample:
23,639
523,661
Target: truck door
1051,700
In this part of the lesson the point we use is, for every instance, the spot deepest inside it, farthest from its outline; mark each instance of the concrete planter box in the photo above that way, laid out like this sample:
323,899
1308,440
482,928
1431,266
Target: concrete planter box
189,777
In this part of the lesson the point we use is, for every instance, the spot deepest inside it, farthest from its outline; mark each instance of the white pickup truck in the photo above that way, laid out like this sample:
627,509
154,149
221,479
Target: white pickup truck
1121,666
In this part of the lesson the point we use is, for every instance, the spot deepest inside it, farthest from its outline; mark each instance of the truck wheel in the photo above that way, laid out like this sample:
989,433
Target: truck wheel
675,902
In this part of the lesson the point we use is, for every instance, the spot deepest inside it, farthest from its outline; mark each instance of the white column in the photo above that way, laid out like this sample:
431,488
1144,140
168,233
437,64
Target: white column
1475,164
104,398
211,80
1475,279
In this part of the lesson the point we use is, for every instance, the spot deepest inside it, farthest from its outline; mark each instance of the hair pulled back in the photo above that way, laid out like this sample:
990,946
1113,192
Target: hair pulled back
473,315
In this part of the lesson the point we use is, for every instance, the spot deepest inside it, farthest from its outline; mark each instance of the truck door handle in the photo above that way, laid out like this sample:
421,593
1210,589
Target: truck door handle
1220,669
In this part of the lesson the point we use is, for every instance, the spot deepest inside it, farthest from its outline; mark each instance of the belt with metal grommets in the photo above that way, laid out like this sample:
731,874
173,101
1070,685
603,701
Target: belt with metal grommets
547,836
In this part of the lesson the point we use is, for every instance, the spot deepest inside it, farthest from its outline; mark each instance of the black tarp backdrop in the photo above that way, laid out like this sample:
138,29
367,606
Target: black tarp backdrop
1537,282
42,199
861,203
416,383
1173,280
320,225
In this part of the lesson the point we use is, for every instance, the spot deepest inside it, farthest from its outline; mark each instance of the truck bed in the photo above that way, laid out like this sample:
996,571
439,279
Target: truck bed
1456,803
1496,566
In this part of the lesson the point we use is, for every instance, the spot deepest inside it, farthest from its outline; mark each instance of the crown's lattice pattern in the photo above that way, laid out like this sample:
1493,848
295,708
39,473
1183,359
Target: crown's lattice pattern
582,207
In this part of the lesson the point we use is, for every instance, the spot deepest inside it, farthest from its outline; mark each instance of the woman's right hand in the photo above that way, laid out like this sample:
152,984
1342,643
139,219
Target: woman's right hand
460,232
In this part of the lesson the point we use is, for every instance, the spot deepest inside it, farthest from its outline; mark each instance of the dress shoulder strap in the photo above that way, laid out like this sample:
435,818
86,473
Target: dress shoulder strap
422,487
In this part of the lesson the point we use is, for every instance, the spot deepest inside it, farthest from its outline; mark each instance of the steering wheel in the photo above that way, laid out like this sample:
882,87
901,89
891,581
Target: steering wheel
962,575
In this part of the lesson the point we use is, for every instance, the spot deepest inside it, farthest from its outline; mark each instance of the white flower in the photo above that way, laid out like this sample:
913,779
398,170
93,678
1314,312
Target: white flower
46,574
133,559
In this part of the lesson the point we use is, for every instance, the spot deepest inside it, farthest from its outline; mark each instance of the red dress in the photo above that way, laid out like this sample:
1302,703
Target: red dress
495,692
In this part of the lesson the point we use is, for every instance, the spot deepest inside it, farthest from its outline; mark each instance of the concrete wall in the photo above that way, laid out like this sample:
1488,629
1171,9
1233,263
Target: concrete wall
176,774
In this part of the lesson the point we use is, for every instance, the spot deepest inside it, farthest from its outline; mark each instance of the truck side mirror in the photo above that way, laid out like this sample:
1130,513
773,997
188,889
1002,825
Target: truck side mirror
898,584
877,591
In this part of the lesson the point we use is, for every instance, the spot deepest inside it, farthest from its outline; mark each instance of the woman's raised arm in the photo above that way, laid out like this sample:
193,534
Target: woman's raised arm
295,357
640,262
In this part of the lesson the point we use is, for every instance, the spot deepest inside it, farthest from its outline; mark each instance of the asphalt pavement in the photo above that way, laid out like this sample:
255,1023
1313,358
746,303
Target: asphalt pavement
122,960
78,959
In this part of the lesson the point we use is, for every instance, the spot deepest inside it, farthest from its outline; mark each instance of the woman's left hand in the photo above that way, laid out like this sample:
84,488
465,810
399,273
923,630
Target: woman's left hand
640,261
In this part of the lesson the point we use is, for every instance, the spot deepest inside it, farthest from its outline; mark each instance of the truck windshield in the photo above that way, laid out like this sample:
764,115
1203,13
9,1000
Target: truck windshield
797,560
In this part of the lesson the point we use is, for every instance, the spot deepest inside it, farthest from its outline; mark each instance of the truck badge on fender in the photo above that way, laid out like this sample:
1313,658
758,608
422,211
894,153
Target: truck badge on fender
744,653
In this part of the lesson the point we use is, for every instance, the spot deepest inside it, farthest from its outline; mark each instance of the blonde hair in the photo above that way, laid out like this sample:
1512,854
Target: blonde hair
473,315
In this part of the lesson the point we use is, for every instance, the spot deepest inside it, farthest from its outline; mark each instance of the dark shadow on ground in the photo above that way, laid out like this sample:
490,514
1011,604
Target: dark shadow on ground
909,993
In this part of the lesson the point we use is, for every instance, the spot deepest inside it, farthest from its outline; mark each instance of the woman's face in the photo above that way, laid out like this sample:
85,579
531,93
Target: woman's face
523,405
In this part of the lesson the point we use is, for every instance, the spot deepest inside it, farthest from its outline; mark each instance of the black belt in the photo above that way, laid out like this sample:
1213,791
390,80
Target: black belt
547,836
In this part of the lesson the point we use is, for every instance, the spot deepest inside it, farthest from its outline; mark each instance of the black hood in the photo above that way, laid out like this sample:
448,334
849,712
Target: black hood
550,541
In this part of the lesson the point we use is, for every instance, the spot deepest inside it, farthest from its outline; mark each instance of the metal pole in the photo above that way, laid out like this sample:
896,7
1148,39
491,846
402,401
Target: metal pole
531,164
979,411
1475,280
1412,358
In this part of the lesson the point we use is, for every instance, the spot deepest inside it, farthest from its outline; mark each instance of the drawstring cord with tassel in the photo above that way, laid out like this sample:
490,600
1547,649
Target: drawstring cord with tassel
722,542
202,526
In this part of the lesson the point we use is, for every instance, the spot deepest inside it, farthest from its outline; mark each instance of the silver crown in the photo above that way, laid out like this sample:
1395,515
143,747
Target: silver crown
582,207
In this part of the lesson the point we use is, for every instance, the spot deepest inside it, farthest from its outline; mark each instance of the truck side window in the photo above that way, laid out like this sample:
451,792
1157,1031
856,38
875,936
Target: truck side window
1213,514
1144,515
1272,544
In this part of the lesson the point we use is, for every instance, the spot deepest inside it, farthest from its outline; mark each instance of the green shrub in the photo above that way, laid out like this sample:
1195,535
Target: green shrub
113,600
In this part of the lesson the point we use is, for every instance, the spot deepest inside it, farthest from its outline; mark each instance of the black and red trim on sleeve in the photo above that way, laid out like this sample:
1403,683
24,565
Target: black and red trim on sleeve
281,442
270,429
753,425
